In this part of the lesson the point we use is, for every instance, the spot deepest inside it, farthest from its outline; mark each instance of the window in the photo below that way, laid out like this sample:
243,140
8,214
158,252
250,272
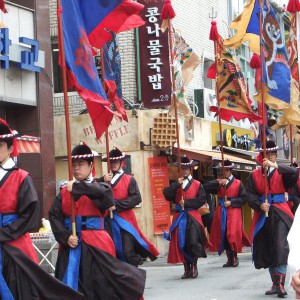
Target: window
208,83
57,76
244,57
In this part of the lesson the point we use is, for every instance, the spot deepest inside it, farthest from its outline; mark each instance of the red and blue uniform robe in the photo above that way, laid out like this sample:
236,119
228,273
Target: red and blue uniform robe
228,221
187,234
269,234
126,197
22,277
91,267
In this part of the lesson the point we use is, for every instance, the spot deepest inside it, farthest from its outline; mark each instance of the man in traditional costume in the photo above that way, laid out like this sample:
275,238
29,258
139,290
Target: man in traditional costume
21,276
87,261
187,236
131,245
272,220
227,232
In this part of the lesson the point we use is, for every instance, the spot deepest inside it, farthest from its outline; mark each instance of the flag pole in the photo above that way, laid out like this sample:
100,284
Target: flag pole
168,13
170,34
214,36
66,106
262,87
111,215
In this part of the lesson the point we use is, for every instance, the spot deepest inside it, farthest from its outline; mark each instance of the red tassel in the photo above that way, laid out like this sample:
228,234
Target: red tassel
214,34
15,151
293,6
82,143
167,11
4,122
259,158
2,6
212,72
255,61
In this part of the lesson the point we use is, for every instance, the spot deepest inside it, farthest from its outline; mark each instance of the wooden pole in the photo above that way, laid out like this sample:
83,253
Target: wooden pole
219,119
66,106
264,121
212,16
106,131
171,49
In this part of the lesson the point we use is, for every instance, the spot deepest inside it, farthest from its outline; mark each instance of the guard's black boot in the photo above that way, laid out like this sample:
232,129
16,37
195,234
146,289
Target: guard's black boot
194,270
229,259
187,271
274,288
281,292
235,260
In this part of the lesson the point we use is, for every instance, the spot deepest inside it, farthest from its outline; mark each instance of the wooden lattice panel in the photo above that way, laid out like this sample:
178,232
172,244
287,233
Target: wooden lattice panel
164,130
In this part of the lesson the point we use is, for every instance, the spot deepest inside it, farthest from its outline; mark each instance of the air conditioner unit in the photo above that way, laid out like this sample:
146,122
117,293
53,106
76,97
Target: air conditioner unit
209,98
245,123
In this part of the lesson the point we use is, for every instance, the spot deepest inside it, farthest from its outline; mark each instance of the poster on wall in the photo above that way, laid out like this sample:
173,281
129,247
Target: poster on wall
154,57
158,169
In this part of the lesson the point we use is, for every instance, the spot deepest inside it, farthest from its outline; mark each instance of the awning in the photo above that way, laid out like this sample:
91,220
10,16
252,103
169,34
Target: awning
242,151
28,144
215,157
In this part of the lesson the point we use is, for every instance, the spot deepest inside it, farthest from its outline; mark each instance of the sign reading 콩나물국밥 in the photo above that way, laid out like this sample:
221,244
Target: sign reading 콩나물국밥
154,57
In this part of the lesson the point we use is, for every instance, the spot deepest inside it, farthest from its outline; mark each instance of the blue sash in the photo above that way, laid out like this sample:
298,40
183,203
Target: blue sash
72,272
4,290
180,222
272,198
118,223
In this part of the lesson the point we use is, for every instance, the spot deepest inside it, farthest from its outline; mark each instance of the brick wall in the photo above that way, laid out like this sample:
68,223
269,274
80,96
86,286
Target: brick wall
192,20
76,104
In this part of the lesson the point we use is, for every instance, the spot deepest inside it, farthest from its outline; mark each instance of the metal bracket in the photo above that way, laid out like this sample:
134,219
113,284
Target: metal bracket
142,144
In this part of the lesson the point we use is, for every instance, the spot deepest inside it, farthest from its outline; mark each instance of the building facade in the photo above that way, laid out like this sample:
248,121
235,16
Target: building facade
26,95
143,137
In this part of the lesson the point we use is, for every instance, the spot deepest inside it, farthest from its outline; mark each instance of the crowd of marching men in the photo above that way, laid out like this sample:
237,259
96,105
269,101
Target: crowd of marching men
102,246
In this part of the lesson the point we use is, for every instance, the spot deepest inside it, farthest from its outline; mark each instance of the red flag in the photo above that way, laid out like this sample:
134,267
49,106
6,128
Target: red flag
2,6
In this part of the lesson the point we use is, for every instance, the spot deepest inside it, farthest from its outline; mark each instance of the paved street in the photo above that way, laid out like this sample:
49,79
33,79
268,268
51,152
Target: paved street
213,283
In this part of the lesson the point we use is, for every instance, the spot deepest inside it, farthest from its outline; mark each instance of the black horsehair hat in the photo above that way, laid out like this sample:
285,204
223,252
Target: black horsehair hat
116,154
228,165
82,151
186,162
270,147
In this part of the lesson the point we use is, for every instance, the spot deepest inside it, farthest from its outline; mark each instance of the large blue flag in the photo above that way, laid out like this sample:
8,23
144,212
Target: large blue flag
81,69
277,74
